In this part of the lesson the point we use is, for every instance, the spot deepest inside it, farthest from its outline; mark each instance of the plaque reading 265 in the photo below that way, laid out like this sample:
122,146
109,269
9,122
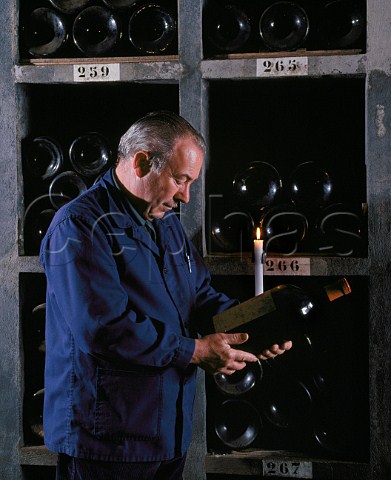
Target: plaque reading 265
282,67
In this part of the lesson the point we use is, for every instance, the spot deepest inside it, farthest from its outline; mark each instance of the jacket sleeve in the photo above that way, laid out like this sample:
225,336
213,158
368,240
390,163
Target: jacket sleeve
84,286
209,301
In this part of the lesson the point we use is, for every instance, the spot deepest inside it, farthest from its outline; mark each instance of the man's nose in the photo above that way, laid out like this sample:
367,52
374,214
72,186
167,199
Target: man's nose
183,194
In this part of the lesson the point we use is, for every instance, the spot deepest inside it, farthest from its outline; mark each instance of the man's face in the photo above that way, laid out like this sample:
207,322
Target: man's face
163,191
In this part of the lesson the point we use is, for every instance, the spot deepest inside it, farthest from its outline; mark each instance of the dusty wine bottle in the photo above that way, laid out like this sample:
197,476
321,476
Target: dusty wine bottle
278,314
232,233
69,6
119,3
283,228
43,157
35,416
286,401
152,28
96,31
237,423
284,26
240,382
343,24
39,319
310,185
257,186
340,230
89,154
228,28
65,187
44,32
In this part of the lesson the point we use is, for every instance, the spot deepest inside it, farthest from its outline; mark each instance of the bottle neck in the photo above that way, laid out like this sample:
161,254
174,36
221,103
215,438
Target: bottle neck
337,289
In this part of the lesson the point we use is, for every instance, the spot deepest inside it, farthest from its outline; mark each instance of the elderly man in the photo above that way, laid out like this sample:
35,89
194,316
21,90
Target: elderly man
127,297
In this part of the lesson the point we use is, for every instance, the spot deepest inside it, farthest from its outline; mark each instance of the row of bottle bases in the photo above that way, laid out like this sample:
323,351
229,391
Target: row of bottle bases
305,212
148,28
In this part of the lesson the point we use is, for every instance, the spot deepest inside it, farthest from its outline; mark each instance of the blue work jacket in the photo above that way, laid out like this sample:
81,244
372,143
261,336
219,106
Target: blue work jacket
122,315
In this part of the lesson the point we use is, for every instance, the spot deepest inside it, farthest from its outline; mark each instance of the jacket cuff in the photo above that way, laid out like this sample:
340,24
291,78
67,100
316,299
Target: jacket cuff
184,352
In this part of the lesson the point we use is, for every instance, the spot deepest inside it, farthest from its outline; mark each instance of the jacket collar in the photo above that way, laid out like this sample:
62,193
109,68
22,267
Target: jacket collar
125,218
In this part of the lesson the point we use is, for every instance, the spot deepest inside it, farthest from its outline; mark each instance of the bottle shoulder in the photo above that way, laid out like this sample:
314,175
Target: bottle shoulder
295,300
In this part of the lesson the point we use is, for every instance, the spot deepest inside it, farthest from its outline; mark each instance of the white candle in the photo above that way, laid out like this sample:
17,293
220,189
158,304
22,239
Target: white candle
258,258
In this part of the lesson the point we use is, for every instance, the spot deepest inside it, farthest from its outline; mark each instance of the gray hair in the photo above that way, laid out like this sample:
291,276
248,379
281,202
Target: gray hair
157,133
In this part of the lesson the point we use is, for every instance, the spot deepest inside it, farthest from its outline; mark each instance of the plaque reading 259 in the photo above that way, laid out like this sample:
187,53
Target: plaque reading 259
282,67
96,72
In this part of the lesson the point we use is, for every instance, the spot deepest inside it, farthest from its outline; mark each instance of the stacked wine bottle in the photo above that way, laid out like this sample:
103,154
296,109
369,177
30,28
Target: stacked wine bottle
305,213
88,28
33,314
306,400
231,26
52,178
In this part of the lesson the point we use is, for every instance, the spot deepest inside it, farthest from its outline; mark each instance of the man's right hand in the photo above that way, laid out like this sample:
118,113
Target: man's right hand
214,353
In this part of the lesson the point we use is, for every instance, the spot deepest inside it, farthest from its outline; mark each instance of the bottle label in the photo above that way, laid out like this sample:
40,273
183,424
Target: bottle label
282,66
286,469
244,313
96,72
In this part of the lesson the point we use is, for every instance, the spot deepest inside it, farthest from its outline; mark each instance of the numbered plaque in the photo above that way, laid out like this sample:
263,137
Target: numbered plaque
287,266
282,67
286,469
96,72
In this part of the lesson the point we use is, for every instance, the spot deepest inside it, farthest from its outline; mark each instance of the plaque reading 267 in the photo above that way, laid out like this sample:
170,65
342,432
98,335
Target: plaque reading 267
282,67
278,468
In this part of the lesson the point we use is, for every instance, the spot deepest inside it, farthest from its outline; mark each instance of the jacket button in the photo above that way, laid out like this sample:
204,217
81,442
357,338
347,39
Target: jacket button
165,270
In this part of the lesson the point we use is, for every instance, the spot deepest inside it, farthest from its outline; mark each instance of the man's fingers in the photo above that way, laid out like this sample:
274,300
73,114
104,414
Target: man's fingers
287,345
275,350
236,338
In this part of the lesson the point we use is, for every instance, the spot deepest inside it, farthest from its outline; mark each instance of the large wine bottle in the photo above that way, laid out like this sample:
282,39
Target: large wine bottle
257,186
152,29
284,26
228,28
43,158
343,24
69,6
279,314
237,423
89,154
232,232
340,230
283,228
96,31
44,32
65,187
119,3
310,185
37,219
35,416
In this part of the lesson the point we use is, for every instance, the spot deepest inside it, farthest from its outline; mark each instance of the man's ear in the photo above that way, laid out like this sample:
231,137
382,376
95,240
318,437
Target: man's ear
141,164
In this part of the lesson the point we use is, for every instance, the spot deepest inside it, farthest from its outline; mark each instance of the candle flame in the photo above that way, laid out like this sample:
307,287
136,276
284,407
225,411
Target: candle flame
258,233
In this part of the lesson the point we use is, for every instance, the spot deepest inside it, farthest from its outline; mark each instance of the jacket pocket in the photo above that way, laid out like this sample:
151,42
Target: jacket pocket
128,404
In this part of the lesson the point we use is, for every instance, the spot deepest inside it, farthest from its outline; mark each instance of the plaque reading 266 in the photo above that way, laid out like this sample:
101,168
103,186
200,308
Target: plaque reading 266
282,67
287,266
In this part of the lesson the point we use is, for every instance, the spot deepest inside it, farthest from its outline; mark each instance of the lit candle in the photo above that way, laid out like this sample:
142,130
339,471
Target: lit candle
258,258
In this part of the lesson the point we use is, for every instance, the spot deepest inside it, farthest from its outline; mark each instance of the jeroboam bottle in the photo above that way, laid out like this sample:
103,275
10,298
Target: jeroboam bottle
152,28
44,32
279,314
96,31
